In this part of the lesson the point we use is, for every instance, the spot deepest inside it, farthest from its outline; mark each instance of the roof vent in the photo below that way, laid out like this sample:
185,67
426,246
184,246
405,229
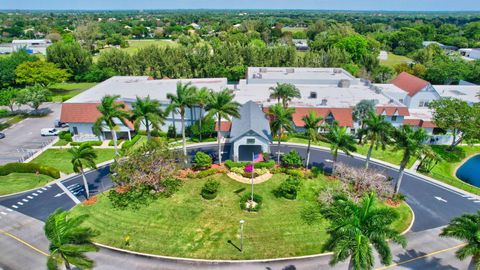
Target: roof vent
257,76
337,70
344,84
290,70
324,102
263,70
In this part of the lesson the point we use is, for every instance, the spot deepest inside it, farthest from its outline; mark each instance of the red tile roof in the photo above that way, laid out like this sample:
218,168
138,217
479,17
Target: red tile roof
390,110
224,126
409,83
342,115
82,113
419,123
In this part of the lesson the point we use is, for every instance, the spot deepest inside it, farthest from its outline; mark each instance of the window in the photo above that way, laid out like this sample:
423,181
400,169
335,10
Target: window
352,130
250,141
75,130
423,103
394,118
329,119
313,94
401,100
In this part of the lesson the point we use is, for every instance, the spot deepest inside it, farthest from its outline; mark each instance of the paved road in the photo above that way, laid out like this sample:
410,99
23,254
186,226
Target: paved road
430,214
24,139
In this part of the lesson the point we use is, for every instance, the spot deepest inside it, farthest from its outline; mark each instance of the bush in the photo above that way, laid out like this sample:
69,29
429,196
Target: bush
202,161
231,164
316,171
210,189
65,135
292,160
172,132
256,198
295,173
208,172
208,128
256,172
126,145
264,164
4,113
133,198
288,189
17,167
91,143
171,186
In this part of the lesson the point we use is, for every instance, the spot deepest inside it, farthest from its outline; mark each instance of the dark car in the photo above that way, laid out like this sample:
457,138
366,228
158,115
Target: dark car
2,135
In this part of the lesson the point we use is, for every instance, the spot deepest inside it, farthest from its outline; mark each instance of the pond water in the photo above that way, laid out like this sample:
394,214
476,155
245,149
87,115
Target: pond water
470,171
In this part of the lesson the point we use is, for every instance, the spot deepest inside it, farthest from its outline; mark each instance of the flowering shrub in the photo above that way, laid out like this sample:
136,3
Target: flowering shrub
242,172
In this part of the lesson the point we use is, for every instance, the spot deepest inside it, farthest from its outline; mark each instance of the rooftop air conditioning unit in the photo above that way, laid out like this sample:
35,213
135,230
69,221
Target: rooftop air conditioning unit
290,70
337,70
344,84
324,102
263,70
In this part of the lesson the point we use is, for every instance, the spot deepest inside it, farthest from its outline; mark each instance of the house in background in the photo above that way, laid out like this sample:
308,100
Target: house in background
418,92
470,54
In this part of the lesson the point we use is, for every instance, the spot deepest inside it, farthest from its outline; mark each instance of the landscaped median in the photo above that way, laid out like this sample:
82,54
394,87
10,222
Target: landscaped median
16,177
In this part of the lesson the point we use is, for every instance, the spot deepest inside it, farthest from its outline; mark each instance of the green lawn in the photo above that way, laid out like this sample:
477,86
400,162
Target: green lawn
12,120
135,45
61,142
390,156
16,182
186,225
394,60
64,91
445,170
60,158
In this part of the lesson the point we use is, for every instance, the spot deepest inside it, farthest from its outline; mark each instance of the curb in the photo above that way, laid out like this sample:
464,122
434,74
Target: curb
411,223
45,148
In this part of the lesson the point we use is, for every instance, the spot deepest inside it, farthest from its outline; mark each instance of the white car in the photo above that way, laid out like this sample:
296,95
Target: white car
49,132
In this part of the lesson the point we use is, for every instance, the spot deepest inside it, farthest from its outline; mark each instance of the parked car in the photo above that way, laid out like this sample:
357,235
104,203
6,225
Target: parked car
49,132
2,135
59,124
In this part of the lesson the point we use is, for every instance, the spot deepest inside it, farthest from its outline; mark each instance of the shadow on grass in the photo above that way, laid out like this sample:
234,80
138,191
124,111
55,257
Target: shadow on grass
457,155
235,246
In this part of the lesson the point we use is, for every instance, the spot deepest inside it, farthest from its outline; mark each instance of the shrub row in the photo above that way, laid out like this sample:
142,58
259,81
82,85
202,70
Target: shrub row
126,145
288,189
17,167
154,133
242,172
205,173
259,165
91,143
65,135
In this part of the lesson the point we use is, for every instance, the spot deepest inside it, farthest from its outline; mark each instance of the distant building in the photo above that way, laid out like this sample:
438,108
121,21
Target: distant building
470,54
195,26
444,47
300,44
33,46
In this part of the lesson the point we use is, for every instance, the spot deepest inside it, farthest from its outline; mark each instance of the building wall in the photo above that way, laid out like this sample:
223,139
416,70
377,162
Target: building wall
398,122
427,94
243,141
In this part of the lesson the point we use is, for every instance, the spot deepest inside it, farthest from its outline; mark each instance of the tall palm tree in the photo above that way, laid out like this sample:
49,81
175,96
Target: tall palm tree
281,120
222,106
147,112
339,139
202,97
179,102
311,125
466,228
83,157
411,143
377,132
111,112
357,228
285,92
68,241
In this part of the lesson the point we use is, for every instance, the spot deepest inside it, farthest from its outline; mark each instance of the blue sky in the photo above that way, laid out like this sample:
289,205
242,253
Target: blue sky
408,5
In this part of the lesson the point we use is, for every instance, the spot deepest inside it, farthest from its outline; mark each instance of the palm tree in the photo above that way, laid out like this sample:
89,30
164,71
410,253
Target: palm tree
202,97
357,228
411,143
179,102
281,120
466,228
339,139
111,112
285,92
377,131
147,112
83,157
222,106
68,241
311,125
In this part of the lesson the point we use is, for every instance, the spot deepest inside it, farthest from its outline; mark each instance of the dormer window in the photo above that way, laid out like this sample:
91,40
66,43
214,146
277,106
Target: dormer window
313,95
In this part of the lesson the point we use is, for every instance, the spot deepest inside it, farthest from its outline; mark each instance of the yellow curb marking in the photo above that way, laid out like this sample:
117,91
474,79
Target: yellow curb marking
420,257
23,242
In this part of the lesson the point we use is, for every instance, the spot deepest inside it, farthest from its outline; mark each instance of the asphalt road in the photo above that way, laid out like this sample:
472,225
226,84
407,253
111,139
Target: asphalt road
23,139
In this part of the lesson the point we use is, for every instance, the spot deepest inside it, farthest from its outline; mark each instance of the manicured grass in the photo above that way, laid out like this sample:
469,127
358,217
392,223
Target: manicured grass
394,60
186,225
64,91
135,45
61,142
16,182
60,158
68,86
294,29
445,170
11,121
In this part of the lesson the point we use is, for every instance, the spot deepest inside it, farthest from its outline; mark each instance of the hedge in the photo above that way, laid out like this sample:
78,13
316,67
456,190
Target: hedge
91,143
259,165
17,167
127,144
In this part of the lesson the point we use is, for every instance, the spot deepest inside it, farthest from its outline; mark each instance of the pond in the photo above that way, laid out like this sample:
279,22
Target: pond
470,171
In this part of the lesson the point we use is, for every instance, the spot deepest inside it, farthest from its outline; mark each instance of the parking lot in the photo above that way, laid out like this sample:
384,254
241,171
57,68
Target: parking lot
23,139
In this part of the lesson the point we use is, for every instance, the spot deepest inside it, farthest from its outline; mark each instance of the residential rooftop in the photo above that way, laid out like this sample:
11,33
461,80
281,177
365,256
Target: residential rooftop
295,75
467,93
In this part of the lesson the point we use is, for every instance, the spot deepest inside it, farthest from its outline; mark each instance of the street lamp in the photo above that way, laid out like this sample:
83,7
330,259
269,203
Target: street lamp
241,234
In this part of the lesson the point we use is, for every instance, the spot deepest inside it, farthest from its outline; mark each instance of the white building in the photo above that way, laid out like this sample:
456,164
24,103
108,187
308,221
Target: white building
470,54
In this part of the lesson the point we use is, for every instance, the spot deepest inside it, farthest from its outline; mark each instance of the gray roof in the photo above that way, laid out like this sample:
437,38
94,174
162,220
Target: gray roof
252,120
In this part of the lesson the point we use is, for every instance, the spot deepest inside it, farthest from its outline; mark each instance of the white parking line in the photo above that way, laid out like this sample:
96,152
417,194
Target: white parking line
39,191
44,188
30,197
10,210
49,186
14,206
476,201
34,194
25,200
20,203
3,213
471,199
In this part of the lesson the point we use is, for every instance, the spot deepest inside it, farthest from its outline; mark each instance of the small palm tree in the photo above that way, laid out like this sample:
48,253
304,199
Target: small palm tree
466,228
111,112
357,228
281,120
83,157
184,98
68,241
377,131
339,139
147,112
411,143
222,106
285,92
202,97
311,125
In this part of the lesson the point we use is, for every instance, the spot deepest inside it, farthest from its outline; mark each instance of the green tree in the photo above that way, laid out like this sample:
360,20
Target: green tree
111,112
69,241
281,120
339,139
8,97
9,64
358,228
71,57
466,228
83,157
383,74
360,113
311,126
117,60
40,72
285,92
222,106
32,96
147,112
377,132
179,102
411,143
202,96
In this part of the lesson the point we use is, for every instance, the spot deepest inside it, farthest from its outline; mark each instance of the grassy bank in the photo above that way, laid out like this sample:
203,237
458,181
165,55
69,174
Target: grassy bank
394,60
16,182
63,91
